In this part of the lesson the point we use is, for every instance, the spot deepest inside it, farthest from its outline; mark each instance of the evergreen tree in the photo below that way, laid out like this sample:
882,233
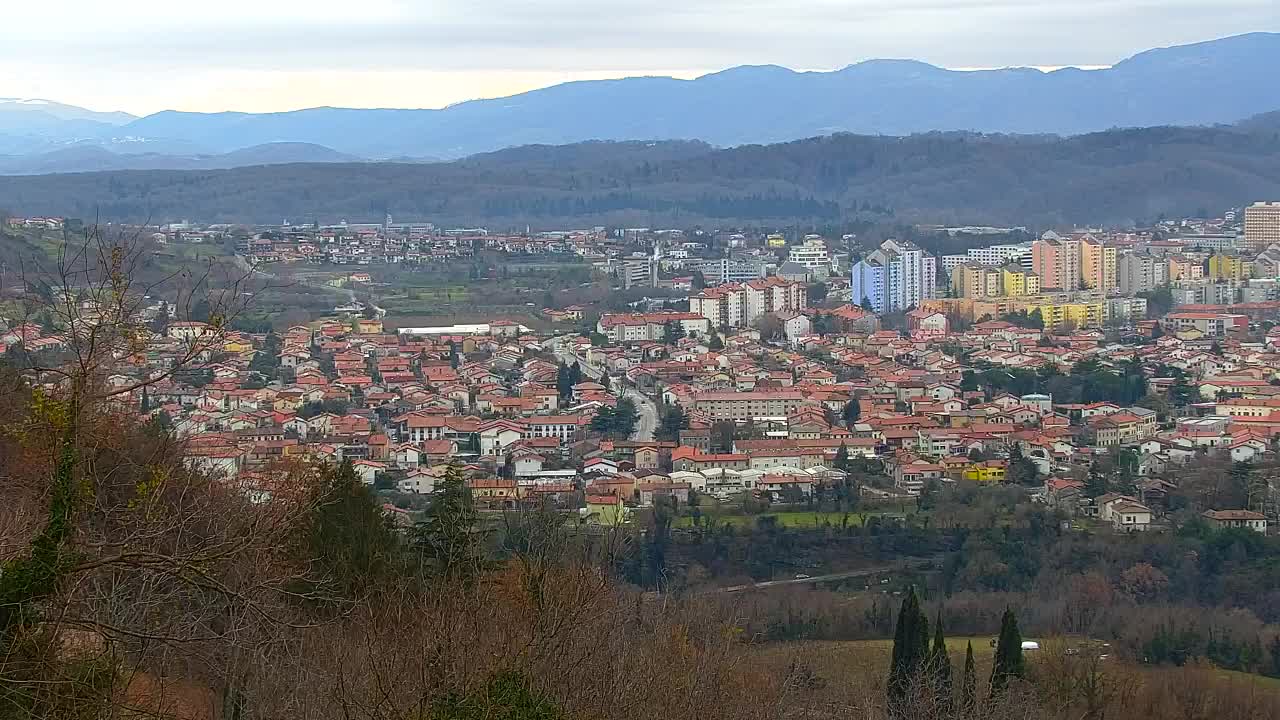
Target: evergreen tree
145,405
842,458
939,666
715,343
446,536
910,650
673,421
351,542
1008,661
969,688
852,411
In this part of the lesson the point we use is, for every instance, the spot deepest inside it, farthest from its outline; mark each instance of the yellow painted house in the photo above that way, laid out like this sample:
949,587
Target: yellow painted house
991,471
366,326
237,346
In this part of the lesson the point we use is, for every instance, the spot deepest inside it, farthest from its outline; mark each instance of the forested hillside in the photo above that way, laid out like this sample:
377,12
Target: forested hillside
1118,177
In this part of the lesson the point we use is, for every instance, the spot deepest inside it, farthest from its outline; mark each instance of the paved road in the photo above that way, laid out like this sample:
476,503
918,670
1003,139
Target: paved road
648,421
814,579
646,408
867,572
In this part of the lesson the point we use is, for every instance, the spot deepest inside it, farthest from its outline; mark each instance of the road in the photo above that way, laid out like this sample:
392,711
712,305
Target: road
867,572
646,408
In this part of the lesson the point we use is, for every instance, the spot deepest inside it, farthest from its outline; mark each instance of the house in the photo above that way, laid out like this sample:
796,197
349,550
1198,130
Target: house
367,470
1223,519
1131,517
422,482
606,510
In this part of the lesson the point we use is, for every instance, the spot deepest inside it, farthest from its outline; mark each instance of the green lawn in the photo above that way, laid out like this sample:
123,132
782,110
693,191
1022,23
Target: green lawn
791,519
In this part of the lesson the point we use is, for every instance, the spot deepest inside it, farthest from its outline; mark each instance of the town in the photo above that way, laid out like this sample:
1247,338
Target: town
1089,368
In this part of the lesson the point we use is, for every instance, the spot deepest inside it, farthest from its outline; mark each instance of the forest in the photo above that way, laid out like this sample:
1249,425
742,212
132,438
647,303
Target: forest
1118,177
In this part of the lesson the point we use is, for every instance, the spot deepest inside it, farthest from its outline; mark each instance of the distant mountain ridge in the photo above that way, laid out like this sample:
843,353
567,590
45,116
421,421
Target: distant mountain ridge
1214,82
88,157
1118,177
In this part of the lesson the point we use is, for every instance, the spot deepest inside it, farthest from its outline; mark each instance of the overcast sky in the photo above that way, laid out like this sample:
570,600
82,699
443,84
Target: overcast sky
260,55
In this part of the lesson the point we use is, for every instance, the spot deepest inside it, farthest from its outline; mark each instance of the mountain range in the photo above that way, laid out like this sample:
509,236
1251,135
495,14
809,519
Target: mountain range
1215,82
1117,177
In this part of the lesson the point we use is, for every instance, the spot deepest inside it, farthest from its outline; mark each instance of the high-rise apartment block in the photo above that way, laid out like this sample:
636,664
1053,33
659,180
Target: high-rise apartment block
1072,263
898,275
1142,272
1261,226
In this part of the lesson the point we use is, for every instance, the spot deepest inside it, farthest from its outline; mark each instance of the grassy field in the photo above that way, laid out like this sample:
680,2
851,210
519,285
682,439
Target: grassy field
793,519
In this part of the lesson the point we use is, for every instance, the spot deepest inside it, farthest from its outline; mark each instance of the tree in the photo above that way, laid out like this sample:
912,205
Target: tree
769,326
852,411
671,332
841,461
969,686
1021,470
507,696
910,650
715,343
816,293
673,421
939,667
866,304
1008,663
353,545
723,433
698,281
446,537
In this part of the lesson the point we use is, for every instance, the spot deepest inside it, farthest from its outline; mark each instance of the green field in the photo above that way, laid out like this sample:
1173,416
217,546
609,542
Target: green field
793,519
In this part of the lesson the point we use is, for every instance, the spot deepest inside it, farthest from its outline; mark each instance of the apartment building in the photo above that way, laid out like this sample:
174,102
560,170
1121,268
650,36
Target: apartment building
1228,267
727,270
1057,261
972,280
812,254
743,406
1016,281
1213,324
1076,314
1205,292
638,272
1261,226
895,276
650,326
1142,272
1182,267
736,306
1097,265
867,285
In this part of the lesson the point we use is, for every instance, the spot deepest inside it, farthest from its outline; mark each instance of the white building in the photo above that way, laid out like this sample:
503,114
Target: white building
812,254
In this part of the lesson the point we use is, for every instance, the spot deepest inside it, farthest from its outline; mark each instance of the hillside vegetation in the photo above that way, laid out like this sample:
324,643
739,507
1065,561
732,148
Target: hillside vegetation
1120,176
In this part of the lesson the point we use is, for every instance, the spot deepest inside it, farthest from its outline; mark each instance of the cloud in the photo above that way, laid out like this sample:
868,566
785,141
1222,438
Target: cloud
153,47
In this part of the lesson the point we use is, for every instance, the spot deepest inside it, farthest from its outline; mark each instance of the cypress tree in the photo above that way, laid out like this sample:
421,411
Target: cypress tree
841,461
969,688
940,666
910,650
1008,661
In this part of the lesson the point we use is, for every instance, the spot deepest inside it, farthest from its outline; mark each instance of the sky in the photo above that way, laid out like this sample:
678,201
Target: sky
142,56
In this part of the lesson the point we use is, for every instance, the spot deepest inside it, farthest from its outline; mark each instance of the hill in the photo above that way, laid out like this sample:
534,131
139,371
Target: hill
1119,176
87,157
1206,83
1200,84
